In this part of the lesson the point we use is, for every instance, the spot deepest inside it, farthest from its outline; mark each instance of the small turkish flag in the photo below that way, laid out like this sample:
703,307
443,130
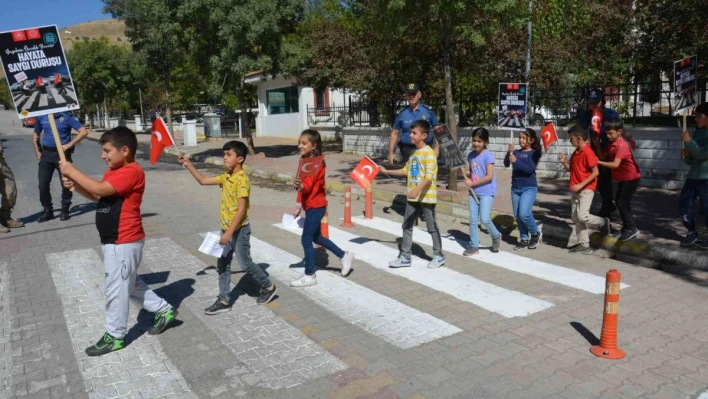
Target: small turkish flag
365,172
310,166
161,138
549,135
596,121
19,36
33,34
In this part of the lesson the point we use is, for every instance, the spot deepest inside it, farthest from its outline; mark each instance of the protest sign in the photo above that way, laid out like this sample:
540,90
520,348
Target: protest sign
36,71
685,84
452,156
513,101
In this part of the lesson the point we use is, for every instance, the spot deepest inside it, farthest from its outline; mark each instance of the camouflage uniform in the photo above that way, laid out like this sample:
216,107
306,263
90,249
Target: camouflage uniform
8,191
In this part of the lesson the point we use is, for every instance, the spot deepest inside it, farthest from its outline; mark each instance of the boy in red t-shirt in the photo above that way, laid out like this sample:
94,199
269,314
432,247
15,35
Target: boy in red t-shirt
619,159
583,181
120,226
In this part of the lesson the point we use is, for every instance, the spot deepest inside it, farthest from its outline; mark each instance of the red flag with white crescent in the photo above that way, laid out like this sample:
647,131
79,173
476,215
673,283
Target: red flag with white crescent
365,172
310,166
161,138
549,135
596,121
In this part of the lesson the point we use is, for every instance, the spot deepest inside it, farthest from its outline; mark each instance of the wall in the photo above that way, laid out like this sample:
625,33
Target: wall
658,151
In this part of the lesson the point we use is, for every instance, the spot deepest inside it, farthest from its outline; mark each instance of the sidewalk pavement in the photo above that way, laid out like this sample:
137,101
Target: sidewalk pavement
656,210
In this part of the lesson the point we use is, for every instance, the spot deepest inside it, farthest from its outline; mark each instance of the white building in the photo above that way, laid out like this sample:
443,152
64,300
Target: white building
283,105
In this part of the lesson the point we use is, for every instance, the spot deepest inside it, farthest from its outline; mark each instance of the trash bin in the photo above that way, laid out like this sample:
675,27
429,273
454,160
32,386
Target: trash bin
189,128
212,125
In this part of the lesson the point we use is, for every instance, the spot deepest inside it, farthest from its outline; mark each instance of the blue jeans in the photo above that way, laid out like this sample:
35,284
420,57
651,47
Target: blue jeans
481,212
240,244
522,200
311,233
691,190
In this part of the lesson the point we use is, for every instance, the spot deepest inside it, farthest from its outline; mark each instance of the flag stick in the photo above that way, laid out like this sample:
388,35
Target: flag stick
57,140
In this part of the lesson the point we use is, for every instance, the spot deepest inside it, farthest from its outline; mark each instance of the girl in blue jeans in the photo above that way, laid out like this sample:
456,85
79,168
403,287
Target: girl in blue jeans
524,187
483,183
312,198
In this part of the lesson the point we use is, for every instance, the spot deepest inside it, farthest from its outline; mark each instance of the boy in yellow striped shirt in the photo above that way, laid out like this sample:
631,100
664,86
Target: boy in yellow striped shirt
421,171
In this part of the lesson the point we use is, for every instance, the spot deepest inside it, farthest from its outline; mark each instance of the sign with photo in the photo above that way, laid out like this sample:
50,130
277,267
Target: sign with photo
513,102
37,73
452,156
685,84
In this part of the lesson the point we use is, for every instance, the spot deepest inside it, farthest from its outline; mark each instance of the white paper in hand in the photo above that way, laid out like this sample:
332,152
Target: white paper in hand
292,222
211,245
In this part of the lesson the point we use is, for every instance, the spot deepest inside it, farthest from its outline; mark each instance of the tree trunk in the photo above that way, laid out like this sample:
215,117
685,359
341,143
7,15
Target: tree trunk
449,104
246,117
168,111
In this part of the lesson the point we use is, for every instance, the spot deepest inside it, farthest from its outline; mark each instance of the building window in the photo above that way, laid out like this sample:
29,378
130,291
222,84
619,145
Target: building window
282,101
321,101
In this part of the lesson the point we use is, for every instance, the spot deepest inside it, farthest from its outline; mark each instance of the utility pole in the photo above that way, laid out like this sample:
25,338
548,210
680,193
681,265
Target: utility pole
530,111
140,94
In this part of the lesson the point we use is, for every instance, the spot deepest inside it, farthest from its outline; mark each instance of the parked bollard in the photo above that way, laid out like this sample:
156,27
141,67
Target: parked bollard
347,208
608,340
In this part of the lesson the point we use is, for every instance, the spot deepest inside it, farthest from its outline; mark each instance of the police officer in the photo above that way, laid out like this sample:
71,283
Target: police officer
415,111
595,101
48,158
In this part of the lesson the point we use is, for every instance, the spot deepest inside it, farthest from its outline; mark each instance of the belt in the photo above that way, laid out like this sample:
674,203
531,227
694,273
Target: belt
54,149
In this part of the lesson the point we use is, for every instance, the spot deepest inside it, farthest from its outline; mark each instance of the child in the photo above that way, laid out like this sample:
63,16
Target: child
619,159
235,229
421,171
583,181
484,183
694,154
119,195
312,198
524,187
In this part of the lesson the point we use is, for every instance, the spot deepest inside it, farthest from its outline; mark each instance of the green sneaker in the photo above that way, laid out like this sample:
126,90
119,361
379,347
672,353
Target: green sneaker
106,344
162,320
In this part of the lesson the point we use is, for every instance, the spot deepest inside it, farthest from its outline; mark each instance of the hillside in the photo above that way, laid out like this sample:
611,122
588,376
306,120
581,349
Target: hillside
112,29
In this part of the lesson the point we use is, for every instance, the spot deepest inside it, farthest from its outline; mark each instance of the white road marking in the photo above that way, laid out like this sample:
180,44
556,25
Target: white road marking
531,267
79,280
463,287
381,316
273,353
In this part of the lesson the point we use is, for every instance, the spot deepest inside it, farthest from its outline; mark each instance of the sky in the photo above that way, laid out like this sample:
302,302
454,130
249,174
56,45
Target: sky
62,13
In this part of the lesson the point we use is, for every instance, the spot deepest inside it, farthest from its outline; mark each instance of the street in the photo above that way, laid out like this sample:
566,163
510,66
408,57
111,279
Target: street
506,325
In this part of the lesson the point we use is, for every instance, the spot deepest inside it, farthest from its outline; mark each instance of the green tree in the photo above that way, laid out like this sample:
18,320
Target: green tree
5,98
237,37
154,27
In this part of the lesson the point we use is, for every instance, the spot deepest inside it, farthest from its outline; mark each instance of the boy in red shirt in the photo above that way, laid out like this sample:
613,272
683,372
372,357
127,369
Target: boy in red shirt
583,181
119,195
619,159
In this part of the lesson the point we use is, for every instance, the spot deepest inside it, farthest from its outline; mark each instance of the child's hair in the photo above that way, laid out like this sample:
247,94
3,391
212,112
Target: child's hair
316,140
701,109
531,134
579,131
483,134
424,126
613,124
238,147
120,137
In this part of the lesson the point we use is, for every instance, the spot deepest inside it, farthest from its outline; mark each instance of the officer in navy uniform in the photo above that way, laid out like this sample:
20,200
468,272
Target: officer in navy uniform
48,158
415,111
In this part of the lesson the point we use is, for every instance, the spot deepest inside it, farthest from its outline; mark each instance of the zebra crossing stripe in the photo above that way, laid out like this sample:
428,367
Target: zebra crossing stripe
78,277
273,353
43,100
379,315
531,267
462,286
29,101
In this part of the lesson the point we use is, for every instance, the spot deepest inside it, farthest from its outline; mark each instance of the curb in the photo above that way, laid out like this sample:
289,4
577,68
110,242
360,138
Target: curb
637,251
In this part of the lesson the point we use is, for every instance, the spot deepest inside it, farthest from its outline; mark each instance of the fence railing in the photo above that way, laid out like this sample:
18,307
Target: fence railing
641,103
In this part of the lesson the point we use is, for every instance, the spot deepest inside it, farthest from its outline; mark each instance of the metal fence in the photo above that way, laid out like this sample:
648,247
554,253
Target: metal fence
647,103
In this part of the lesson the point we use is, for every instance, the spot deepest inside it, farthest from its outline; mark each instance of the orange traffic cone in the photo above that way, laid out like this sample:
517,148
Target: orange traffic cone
608,340
347,208
324,229
369,205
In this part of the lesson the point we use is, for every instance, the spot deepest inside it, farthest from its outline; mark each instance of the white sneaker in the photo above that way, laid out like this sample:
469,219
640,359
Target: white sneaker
304,281
347,263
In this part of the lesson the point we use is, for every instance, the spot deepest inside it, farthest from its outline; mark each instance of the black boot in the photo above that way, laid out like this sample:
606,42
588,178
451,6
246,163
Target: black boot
64,216
48,214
